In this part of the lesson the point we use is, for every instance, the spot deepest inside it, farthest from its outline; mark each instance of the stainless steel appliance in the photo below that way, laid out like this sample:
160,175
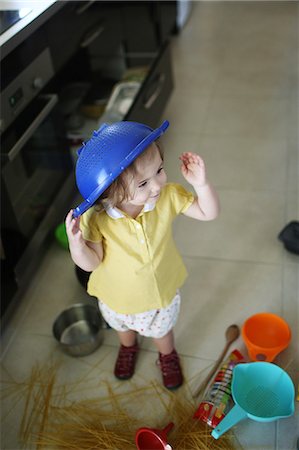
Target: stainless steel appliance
36,169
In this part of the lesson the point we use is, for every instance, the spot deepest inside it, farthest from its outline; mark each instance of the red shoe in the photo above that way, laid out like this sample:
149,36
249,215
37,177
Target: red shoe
171,370
125,363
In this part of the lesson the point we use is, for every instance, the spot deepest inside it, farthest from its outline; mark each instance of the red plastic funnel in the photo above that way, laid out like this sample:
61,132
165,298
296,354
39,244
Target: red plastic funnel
152,439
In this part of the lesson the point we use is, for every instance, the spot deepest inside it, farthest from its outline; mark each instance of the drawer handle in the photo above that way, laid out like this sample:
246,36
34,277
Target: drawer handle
52,100
92,36
153,97
84,7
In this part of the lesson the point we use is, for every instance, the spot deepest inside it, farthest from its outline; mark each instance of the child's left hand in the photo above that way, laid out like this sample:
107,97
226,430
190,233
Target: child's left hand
193,169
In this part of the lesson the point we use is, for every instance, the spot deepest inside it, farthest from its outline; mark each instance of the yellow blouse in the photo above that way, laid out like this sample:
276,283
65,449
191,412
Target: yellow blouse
141,269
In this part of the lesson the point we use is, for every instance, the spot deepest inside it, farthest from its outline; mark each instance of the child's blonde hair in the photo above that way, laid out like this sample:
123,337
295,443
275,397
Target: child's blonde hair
118,191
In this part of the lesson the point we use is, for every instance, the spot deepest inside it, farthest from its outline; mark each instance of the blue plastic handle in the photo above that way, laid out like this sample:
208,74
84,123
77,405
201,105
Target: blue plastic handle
81,209
235,415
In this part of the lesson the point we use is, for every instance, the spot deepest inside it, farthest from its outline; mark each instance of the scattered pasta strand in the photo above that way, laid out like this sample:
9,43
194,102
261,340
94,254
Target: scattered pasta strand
53,420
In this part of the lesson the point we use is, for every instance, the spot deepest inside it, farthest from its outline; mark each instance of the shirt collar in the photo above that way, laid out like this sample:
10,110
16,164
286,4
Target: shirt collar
116,213
148,207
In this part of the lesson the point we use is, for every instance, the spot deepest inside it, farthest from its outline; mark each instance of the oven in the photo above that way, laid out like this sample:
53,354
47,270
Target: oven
37,182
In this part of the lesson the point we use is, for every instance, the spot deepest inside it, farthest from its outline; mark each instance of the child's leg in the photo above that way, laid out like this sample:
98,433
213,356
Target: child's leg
169,361
165,345
127,338
127,355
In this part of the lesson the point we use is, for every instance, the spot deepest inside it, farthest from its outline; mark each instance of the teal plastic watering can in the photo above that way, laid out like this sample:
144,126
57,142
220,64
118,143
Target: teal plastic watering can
261,391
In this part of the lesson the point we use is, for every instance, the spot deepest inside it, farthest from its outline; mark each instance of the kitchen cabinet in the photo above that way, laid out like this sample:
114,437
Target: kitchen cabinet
97,42
63,64
156,90
154,21
81,25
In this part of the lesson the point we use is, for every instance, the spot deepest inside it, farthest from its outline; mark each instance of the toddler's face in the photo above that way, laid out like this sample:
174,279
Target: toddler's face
149,180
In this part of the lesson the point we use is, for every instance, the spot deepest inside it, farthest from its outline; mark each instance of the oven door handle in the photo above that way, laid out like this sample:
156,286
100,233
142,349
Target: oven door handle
52,101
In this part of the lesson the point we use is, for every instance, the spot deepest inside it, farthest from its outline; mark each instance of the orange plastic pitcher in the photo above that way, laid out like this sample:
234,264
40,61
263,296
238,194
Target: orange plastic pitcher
265,335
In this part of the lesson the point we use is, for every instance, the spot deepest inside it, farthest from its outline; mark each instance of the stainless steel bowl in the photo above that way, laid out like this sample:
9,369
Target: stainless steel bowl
79,329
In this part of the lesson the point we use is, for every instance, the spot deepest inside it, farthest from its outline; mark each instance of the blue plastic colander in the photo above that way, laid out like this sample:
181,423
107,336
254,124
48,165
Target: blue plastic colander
109,152
261,391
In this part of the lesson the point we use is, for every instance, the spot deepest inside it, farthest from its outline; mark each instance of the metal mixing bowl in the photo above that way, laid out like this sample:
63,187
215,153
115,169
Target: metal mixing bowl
79,329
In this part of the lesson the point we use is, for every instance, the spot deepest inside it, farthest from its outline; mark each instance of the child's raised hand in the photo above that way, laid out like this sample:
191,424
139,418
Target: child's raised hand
73,231
193,169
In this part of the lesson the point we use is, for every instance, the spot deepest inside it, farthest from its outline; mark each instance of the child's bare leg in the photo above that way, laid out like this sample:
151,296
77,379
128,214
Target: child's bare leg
127,338
165,345
169,361
127,355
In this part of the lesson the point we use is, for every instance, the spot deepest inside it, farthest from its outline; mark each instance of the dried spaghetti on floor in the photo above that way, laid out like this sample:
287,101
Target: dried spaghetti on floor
52,419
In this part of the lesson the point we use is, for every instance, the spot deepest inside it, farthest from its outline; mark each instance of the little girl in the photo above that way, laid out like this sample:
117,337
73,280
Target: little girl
125,240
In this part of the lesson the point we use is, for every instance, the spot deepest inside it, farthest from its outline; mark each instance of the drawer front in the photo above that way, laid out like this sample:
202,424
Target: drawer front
139,27
83,25
155,92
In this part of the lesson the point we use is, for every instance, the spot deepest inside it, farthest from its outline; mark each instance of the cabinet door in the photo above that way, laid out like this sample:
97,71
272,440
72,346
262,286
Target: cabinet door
155,92
83,26
139,27
167,16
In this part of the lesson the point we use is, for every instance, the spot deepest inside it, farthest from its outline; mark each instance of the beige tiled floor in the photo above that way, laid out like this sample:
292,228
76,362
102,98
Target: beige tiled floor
236,103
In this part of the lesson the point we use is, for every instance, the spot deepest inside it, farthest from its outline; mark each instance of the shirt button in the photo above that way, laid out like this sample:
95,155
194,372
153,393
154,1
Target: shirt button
138,226
142,241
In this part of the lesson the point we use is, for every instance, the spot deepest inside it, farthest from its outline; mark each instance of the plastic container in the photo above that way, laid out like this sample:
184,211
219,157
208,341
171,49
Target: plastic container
61,236
153,439
265,336
122,97
261,391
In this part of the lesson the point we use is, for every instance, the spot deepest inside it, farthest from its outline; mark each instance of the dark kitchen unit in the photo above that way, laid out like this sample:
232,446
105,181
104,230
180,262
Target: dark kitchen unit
58,74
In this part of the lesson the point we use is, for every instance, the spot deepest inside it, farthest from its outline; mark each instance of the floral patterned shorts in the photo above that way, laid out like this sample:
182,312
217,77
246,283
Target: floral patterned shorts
155,323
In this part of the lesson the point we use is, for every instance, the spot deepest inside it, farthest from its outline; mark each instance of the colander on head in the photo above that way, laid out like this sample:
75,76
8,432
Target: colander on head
107,154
